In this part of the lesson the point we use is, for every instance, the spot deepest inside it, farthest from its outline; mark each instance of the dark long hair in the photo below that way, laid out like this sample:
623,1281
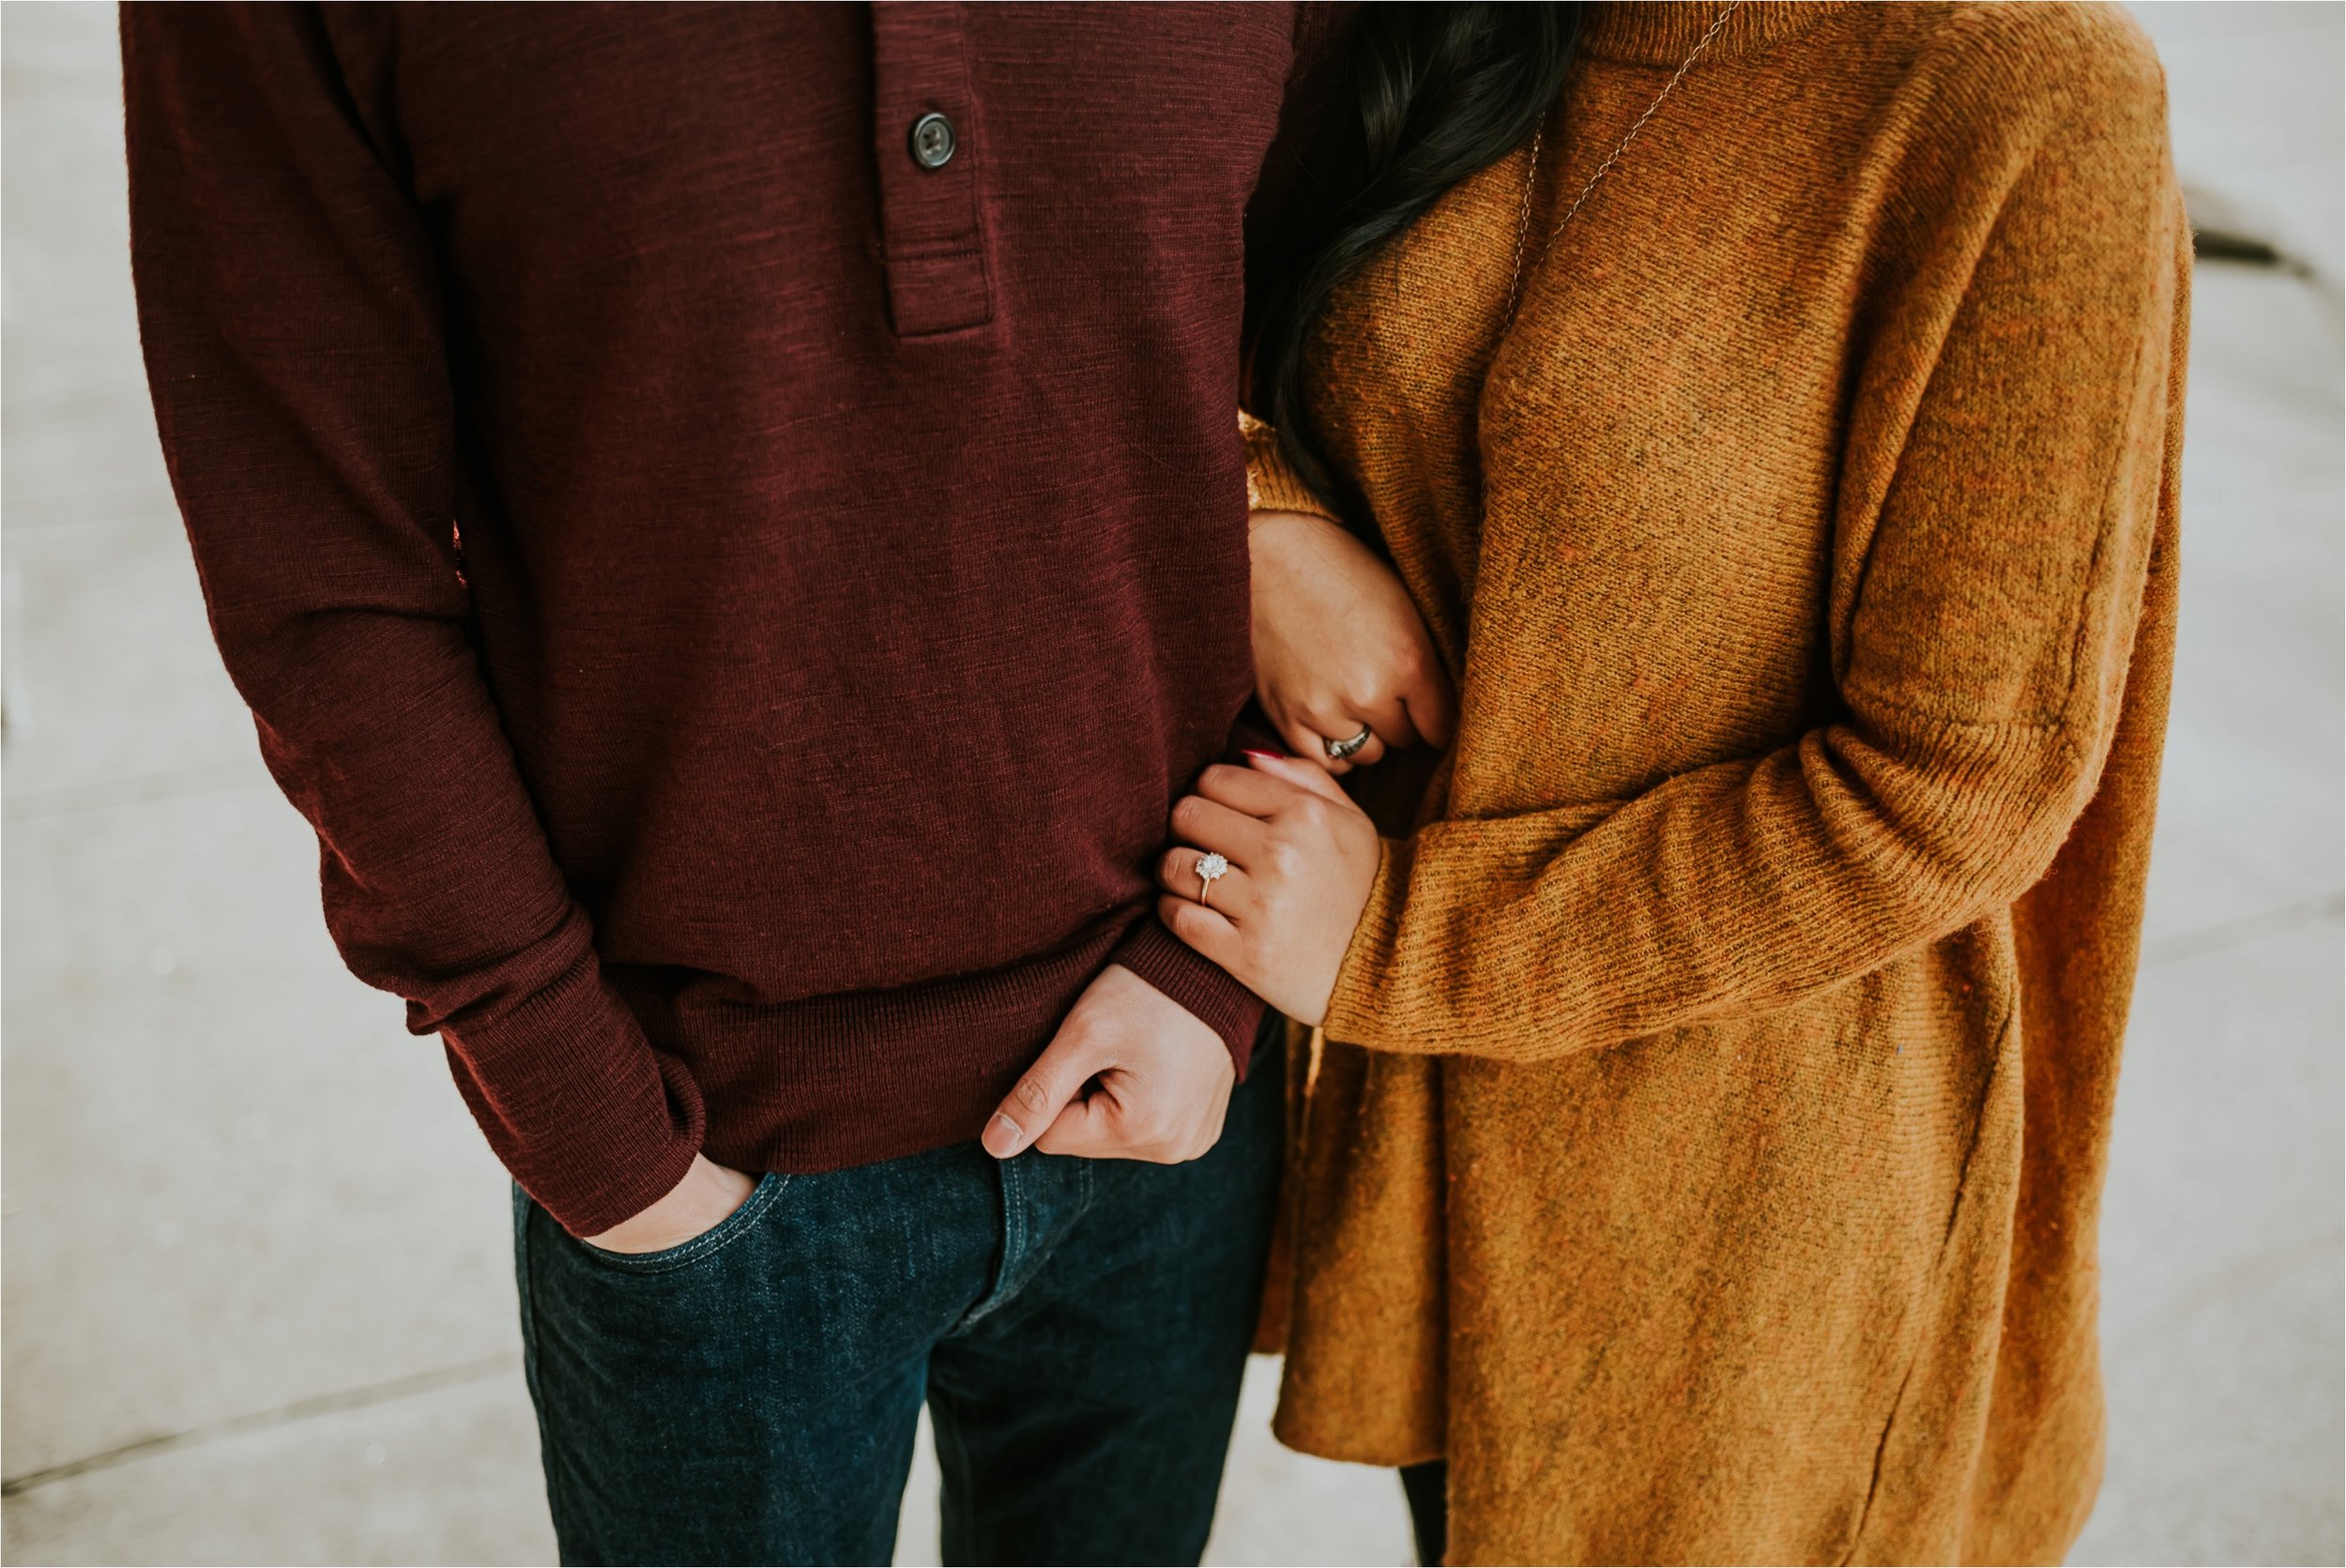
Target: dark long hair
1439,92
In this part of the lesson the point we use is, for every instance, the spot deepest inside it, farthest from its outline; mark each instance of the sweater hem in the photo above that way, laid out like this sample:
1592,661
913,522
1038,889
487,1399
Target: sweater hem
832,1082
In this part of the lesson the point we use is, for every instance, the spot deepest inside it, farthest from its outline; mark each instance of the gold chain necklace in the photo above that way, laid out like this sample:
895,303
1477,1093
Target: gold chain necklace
1531,175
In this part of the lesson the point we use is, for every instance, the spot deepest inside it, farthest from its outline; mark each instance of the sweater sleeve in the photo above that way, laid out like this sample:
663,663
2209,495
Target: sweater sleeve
1275,218
2002,485
1272,483
291,317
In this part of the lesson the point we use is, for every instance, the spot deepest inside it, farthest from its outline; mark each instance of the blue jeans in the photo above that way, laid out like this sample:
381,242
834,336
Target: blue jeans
1078,1329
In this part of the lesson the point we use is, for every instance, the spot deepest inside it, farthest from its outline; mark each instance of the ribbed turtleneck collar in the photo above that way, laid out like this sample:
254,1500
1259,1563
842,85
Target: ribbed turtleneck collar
1665,32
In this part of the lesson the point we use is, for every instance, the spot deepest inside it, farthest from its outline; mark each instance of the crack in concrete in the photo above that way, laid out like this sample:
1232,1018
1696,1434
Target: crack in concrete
300,1410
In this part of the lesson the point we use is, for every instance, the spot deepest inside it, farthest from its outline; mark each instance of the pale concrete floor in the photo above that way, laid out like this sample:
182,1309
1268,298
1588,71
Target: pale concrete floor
256,1290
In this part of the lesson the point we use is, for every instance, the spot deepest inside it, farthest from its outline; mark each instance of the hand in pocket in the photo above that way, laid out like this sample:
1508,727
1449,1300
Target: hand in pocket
695,1207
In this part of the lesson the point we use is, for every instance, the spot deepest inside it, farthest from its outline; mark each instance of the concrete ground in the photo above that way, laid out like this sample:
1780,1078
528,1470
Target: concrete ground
257,1294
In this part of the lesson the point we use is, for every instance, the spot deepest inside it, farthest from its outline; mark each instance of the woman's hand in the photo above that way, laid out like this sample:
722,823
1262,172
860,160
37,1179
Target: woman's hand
1338,645
1303,858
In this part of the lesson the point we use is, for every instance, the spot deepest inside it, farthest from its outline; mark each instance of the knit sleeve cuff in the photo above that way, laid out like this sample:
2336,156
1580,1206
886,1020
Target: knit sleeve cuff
1352,1006
1272,483
1201,987
592,1121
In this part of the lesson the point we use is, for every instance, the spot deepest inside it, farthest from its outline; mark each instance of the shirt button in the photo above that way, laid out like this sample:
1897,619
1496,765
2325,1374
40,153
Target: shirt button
933,141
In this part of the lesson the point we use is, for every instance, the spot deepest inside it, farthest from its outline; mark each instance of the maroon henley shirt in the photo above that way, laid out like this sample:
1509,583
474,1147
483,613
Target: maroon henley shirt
735,580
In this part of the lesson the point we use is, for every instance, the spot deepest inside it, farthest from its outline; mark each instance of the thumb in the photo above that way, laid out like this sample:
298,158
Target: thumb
1057,1076
1301,774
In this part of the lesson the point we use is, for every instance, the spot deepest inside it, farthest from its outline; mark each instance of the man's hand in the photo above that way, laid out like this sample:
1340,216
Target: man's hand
1339,644
1131,1074
694,1207
1302,860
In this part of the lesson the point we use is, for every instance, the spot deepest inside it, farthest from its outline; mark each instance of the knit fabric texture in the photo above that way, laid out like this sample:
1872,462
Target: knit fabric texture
853,553
1704,1146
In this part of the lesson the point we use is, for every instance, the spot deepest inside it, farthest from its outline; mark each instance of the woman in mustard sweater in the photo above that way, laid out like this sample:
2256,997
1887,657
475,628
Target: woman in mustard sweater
1772,415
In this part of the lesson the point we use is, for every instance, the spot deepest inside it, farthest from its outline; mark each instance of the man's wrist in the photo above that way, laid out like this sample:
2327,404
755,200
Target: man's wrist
1196,984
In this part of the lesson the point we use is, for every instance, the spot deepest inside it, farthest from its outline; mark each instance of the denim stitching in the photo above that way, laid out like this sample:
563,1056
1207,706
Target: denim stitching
768,1188
1014,1241
522,1205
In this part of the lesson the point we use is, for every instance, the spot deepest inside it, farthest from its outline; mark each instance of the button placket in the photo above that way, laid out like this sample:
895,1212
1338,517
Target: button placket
930,146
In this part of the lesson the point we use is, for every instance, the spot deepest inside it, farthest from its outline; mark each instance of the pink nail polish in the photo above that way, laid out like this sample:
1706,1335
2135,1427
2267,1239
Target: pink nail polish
1267,756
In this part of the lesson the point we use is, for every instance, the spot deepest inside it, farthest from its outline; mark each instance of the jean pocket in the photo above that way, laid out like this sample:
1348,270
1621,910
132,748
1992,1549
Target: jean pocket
703,1246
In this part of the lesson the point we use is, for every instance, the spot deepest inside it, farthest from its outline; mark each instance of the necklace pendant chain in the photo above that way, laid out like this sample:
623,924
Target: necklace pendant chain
1531,175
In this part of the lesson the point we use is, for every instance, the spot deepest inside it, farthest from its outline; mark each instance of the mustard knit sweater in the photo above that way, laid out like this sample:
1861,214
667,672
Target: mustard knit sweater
1704,1147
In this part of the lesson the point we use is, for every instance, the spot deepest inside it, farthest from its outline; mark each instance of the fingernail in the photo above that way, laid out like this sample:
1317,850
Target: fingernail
1002,1136
1267,756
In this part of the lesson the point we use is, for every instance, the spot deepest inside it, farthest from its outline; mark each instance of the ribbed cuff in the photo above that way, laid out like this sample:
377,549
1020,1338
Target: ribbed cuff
1271,484
591,1119
1354,1005
1201,987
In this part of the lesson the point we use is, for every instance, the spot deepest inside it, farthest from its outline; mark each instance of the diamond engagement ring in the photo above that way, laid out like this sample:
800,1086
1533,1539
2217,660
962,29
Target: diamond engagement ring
1210,865
1341,749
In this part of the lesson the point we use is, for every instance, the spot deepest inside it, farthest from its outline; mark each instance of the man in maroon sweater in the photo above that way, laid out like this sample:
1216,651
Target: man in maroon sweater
729,522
